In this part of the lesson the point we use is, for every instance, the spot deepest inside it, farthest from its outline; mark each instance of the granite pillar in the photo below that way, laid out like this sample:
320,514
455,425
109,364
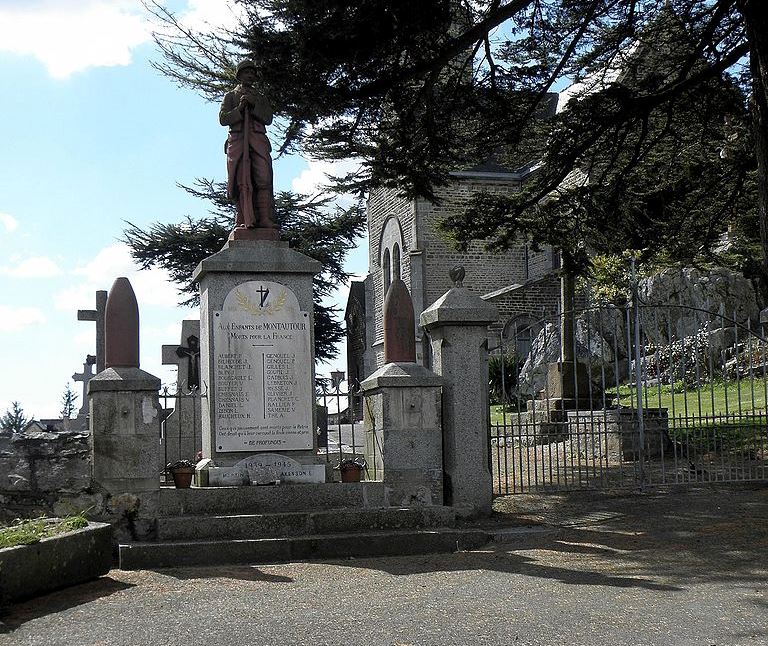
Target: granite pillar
457,327
403,436
125,430
124,404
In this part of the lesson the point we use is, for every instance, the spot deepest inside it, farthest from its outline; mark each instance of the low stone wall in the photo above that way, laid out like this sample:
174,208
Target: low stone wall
55,562
46,473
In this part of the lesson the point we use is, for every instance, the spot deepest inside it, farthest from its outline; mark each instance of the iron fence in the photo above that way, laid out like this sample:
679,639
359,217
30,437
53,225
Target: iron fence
181,428
655,395
340,435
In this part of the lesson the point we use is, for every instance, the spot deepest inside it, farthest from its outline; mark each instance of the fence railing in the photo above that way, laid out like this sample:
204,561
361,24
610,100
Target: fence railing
181,429
656,396
340,428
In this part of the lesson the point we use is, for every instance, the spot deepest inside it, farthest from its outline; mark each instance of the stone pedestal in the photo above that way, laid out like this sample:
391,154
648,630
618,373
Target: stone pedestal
457,326
125,430
403,436
257,351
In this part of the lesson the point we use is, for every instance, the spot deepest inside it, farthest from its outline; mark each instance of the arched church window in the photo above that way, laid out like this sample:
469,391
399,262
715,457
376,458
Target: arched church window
396,262
386,271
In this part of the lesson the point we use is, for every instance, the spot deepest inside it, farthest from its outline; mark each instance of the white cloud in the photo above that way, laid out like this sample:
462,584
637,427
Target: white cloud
152,287
68,36
312,180
37,267
9,223
14,319
204,15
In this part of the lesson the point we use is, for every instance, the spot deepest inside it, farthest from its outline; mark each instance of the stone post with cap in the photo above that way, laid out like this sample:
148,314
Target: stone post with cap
457,326
124,405
402,413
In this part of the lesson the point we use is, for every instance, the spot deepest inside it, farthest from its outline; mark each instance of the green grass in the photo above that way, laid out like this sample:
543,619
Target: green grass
27,532
719,417
718,399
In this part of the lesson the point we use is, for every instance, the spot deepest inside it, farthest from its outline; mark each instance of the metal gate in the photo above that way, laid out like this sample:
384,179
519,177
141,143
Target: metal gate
657,396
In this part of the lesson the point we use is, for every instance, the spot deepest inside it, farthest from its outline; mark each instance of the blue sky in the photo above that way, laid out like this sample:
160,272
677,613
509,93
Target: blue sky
92,137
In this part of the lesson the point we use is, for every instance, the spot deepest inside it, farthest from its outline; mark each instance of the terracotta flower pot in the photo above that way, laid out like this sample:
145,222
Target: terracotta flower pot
182,477
351,473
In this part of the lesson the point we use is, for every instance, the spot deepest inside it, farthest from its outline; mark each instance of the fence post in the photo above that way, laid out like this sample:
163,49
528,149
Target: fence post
638,374
457,324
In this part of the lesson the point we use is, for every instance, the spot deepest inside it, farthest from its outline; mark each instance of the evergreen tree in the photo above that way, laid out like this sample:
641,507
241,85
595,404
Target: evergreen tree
310,225
14,420
417,90
68,401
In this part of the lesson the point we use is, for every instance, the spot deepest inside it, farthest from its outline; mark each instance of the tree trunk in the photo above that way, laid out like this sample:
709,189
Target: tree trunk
755,15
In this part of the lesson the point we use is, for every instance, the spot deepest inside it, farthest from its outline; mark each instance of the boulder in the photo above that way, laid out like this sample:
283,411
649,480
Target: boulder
704,297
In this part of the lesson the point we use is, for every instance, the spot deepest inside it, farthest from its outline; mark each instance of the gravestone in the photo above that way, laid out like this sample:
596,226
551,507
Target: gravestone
257,351
182,432
97,316
85,376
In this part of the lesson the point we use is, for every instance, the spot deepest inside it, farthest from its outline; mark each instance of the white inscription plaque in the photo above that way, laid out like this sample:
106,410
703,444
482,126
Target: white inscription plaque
263,370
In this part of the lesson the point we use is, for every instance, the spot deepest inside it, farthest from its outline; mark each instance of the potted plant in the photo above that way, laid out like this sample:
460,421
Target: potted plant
182,471
352,468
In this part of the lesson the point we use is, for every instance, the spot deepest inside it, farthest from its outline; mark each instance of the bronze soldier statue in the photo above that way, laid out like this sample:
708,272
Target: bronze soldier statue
249,164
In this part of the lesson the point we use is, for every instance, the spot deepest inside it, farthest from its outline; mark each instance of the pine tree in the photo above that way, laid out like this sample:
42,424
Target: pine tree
417,90
14,420
68,401
311,225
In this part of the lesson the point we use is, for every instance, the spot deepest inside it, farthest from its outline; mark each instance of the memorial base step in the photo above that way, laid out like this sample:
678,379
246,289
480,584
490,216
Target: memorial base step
137,556
213,501
246,526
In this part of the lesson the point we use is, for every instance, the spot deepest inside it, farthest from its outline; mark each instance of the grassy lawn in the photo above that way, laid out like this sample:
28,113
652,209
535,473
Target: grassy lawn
26,532
722,416
718,399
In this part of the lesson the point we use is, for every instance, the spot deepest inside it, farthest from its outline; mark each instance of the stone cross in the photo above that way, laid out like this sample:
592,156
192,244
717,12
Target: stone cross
185,358
192,352
182,430
97,315
85,377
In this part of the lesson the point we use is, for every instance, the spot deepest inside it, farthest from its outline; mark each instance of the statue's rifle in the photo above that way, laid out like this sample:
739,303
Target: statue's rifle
245,186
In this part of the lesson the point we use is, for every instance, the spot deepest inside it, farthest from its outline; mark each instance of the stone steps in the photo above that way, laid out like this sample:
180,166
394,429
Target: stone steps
135,556
216,501
236,525
330,521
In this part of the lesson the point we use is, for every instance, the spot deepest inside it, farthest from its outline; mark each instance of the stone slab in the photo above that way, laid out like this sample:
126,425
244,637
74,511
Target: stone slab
55,562
256,256
285,498
458,306
123,379
400,375
249,526
135,556
285,469
220,276
262,370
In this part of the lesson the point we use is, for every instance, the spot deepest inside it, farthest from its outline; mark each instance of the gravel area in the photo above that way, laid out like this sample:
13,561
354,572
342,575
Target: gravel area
674,568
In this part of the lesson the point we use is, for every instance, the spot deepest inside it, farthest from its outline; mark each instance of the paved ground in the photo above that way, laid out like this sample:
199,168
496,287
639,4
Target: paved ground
676,569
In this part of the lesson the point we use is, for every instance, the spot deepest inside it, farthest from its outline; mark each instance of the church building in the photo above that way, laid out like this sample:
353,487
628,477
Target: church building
404,242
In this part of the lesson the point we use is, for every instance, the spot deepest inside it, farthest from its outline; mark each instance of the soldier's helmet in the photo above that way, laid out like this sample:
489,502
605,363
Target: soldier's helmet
243,65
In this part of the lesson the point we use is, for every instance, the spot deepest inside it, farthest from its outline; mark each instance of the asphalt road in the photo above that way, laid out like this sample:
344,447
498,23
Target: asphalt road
675,569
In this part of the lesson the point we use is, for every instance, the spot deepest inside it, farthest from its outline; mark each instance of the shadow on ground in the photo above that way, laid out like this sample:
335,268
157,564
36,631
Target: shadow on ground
18,614
660,541
239,572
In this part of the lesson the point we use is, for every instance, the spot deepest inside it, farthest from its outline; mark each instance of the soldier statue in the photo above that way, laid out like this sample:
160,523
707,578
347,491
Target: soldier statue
249,164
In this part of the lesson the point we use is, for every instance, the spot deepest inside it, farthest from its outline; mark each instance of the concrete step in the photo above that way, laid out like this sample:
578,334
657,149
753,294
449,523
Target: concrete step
210,501
330,521
137,556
